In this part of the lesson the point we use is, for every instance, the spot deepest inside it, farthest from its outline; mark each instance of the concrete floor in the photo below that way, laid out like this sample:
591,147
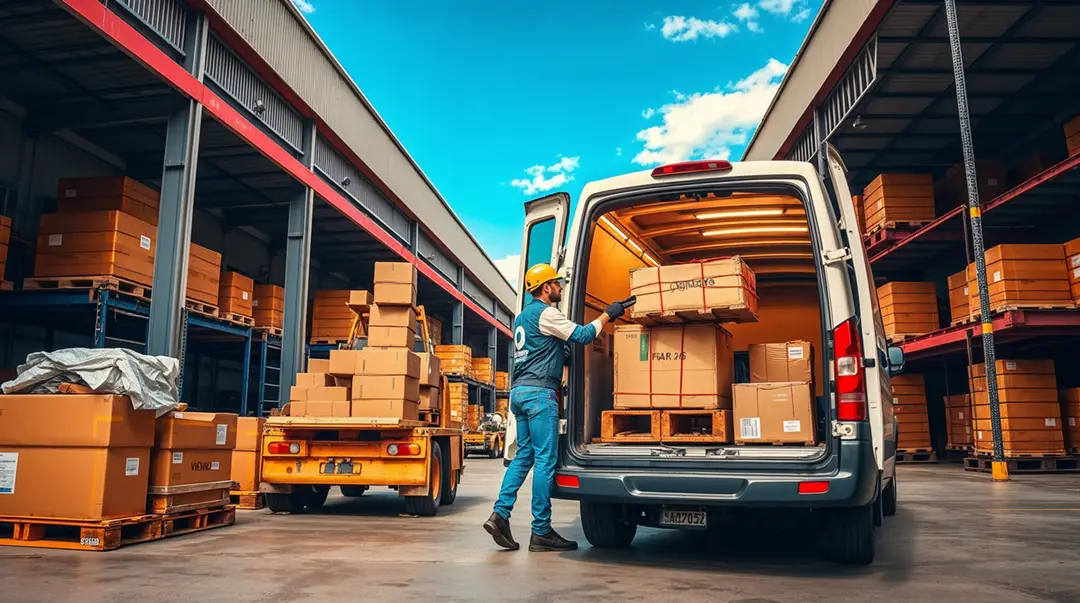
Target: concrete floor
957,537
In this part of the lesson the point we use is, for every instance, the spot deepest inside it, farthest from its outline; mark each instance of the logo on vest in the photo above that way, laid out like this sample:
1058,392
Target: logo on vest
519,337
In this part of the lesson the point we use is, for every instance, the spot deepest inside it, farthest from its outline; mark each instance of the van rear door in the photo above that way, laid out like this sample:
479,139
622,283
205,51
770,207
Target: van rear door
542,243
878,388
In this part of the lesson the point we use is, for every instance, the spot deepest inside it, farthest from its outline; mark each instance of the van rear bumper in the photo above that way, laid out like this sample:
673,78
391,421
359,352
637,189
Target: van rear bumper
852,483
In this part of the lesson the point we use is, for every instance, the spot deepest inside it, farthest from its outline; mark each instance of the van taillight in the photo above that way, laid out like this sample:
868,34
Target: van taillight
850,375
692,167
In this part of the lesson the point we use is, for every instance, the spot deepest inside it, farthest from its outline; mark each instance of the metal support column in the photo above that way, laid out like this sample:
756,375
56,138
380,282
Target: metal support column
177,204
1000,470
245,375
414,238
297,273
457,331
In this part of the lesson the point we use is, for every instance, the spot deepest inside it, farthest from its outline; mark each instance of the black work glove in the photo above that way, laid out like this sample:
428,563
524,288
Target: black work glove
617,309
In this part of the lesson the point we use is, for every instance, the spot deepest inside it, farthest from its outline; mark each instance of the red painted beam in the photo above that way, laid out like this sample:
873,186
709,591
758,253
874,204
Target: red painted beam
128,39
1008,326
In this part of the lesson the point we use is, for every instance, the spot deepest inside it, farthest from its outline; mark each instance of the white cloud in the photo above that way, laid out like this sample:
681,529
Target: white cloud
650,26
705,125
686,29
801,16
648,113
618,151
543,178
779,7
748,15
305,6
509,267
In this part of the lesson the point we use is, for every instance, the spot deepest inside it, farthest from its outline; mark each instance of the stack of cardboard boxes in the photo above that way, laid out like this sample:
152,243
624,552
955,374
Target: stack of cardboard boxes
502,406
458,400
318,393
1072,136
191,463
959,302
1070,418
430,384
673,367
958,422
204,275
483,370
1072,264
502,381
908,309
473,416
96,243
777,406
236,295
108,193
331,318
893,198
455,359
247,456
1022,276
1029,406
912,414
268,306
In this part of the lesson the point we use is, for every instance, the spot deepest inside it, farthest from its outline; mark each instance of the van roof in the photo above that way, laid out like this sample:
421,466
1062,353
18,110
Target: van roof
738,168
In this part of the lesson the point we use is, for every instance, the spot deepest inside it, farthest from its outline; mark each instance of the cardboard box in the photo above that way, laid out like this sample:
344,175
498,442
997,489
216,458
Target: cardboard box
297,393
391,337
315,380
454,359
99,443
318,365
342,362
385,387
393,316
246,470
395,272
386,409
1017,381
249,433
371,361
196,431
774,412
430,397
689,366
430,369
93,187
268,318
360,298
390,294
781,362
729,287
324,408
186,466
331,393
1033,367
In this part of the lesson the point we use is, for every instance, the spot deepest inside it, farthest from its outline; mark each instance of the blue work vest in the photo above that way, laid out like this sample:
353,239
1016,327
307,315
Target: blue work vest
538,358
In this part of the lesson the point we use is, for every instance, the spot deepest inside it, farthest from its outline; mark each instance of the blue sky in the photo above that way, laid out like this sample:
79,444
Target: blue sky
500,102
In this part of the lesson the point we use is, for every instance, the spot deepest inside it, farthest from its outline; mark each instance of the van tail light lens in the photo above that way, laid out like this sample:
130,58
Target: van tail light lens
813,487
283,448
692,167
849,371
567,481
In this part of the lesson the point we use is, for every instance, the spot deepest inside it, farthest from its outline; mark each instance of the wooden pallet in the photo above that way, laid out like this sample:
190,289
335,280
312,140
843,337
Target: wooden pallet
626,426
905,457
247,321
197,520
168,500
429,416
899,225
247,500
738,314
111,283
1047,464
7,286
315,341
695,426
901,337
959,447
104,535
199,307
271,331
967,320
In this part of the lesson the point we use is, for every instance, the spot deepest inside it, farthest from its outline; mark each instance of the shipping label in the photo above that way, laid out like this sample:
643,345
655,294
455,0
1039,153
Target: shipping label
1074,261
56,240
9,467
222,434
1051,422
244,295
792,426
214,466
144,242
1010,365
997,276
131,467
750,428
795,353
177,458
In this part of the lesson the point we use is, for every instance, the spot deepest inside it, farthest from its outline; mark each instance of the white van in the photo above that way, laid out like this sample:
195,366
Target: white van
814,283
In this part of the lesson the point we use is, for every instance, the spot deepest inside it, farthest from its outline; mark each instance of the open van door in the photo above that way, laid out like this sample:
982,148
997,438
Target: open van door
541,243
873,331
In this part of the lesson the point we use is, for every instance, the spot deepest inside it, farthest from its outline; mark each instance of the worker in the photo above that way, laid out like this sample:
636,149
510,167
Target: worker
541,335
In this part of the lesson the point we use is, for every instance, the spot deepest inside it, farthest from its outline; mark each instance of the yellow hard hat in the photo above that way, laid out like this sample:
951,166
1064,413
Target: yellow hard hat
538,275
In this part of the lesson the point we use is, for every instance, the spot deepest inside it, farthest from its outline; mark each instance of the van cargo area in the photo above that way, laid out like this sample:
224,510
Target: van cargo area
722,356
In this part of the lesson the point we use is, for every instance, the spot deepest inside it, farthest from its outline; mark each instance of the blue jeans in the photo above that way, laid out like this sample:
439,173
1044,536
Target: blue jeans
536,415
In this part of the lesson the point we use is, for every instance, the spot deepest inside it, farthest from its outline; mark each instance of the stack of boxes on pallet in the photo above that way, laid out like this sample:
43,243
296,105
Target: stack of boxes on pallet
1072,265
5,242
106,243
1070,418
458,395
502,381
502,406
908,309
778,403
331,319
1028,402
236,297
268,306
483,370
894,199
246,461
958,422
456,359
959,302
191,463
1022,276
992,182
203,279
912,415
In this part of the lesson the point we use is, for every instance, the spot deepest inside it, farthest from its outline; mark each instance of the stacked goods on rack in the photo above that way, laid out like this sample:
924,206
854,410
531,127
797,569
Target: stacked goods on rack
1028,402
502,381
96,243
777,406
908,309
992,183
958,422
473,416
247,461
331,318
912,416
455,359
892,199
1072,264
1072,136
1022,276
459,401
1070,418
430,383
108,193
5,241
722,290
483,370
191,463
204,276
235,295
502,406
959,304
268,306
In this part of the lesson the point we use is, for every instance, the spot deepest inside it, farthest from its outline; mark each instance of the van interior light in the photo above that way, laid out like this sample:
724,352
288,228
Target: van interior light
751,230
634,245
777,256
740,213
648,258
613,228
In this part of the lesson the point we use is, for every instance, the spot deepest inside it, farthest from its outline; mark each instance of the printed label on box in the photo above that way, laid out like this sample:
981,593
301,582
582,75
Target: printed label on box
222,434
997,275
960,415
1076,272
70,193
9,467
178,415
643,348
1072,421
1074,261
56,240
750,428
966,292
131,467
254,303
881,203
795,353
144,242
214,466
177,458
1010,365
1051,422
244,295
792,426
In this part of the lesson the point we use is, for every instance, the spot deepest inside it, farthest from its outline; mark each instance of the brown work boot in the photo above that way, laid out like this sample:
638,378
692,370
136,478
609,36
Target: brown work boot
499,529
551,542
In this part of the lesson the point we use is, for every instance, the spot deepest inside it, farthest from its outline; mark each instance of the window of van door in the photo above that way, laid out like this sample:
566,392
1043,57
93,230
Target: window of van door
541,239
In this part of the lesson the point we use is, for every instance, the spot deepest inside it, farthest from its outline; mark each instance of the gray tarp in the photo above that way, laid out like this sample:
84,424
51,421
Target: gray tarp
150,381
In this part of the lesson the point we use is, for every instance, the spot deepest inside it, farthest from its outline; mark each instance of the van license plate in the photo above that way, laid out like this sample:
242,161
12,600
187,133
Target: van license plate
678,518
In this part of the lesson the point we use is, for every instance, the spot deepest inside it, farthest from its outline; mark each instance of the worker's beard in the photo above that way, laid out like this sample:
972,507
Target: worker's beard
555,297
